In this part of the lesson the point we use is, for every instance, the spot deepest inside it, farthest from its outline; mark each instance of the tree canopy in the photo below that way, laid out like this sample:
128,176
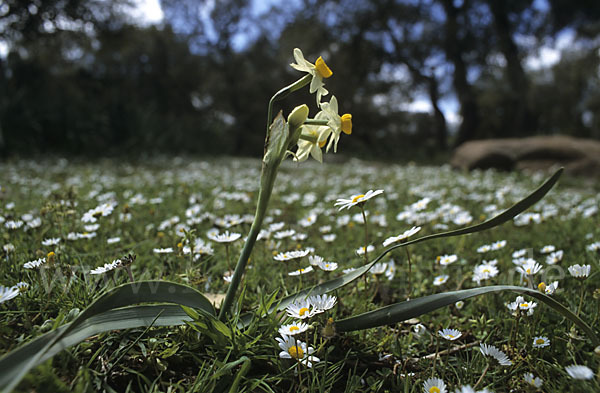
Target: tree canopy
82,77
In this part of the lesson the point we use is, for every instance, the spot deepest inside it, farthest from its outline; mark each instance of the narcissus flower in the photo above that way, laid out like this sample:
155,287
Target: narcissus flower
319,71
337,124
312,139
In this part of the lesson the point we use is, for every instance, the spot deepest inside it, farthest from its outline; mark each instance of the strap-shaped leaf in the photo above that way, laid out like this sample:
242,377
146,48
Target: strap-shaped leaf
402,311
121,296
501,218
123,318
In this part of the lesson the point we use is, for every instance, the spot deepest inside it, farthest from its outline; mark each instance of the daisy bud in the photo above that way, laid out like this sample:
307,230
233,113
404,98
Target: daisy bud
542,287
51,257
328,330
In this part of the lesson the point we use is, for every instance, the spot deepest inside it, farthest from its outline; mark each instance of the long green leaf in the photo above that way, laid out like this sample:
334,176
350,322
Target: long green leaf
501,218
123,318
121,296
402,311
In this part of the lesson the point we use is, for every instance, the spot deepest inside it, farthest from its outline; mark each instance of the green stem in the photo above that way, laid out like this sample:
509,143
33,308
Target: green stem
268,175
409,273
487,367
581,299
362,209
281,94
316,122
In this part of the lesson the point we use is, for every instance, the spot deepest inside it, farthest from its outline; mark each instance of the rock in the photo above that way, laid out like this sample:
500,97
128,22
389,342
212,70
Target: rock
578,156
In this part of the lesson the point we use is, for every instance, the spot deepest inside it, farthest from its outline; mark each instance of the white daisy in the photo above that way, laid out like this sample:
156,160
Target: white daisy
293,328
7,293
33,264
498,245
296,349
541,342
356,199
579,372
554,257
321,303
53,241
301,309
490,350
580,271
446,260
223,237
547,249
167,250
107,267
401,237
113,240
301,271
361,250
450,334
533,380
530,268
289,255
327,266
434,385
439,280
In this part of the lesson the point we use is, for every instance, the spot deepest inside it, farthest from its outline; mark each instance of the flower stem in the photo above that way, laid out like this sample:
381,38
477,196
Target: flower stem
281,94
581,299
485,370
409,283
268,175
362,209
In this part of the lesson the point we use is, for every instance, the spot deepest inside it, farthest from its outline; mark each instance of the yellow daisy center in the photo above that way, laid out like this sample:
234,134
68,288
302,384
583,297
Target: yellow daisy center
528,270
524,305
294,328
486,270
434,389
296,352
326,265
450,335
322,68
542,286
302,311
356,198
539,341
347,123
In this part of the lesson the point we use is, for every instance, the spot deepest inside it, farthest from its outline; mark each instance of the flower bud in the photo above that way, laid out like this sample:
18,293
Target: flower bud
297,117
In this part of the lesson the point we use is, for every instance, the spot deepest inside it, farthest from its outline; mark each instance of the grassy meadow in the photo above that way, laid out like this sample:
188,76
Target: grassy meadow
64,223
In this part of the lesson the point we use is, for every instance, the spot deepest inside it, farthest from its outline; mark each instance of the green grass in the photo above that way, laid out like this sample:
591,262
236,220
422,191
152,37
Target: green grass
195,358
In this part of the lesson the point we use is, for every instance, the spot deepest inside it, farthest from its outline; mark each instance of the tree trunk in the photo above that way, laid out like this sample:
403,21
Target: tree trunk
519,118
469,109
